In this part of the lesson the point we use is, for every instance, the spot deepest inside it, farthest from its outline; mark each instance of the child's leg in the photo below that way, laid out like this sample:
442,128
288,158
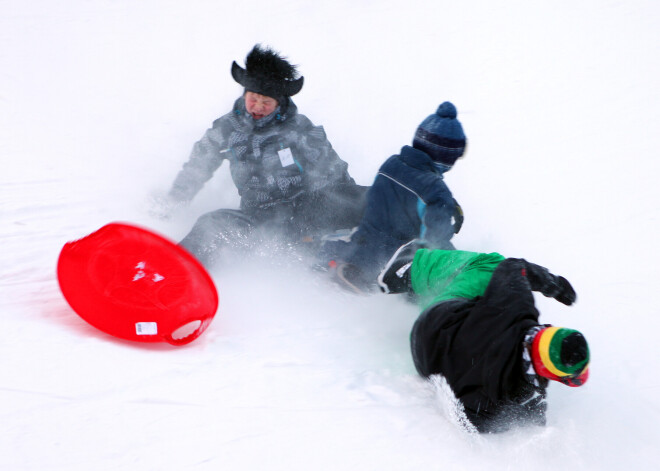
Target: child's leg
217,229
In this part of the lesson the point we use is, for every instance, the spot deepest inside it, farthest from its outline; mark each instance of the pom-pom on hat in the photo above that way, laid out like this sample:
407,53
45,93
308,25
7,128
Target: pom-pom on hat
267,73
441,135
562,355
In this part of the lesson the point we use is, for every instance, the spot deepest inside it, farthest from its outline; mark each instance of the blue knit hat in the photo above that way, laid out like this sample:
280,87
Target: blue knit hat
441,135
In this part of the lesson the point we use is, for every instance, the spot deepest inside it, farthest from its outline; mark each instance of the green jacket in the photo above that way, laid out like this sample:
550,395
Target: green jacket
440,275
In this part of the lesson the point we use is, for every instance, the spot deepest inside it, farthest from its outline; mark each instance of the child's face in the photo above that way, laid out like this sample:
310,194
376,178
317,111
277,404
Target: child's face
259,106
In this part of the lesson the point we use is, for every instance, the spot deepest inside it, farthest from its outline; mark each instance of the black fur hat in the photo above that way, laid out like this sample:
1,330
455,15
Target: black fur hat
267,73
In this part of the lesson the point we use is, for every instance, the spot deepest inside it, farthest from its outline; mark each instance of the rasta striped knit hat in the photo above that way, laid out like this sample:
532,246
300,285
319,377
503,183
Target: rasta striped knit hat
562,355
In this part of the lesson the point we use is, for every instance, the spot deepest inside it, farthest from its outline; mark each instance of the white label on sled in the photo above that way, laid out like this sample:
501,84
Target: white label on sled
146,328
286,157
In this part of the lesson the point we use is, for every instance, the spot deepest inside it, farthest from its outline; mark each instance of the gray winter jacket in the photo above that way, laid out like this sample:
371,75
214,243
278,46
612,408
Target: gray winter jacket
273,160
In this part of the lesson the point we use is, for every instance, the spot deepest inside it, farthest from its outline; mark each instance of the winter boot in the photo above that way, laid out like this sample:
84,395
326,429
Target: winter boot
350,277
395,277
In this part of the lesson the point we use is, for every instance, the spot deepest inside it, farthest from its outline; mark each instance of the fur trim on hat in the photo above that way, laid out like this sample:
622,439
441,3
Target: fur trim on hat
267,73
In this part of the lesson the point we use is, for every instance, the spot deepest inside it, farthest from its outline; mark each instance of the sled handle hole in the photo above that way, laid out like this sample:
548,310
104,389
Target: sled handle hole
186,330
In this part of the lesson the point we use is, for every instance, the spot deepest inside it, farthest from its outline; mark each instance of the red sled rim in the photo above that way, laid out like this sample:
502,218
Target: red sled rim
137,285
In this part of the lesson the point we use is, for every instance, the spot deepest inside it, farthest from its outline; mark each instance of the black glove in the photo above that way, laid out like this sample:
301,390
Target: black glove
458,217
566,293
549,285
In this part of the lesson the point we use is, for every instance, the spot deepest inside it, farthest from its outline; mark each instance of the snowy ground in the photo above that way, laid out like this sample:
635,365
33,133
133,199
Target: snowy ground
100,103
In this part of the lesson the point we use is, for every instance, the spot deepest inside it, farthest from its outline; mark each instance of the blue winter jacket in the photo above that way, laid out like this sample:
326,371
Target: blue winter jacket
408,200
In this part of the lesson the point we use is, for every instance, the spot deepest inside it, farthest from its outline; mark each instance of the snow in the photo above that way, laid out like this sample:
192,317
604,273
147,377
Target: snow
100,103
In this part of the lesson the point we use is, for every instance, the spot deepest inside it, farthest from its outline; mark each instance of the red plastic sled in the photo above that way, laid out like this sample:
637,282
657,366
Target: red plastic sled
136,285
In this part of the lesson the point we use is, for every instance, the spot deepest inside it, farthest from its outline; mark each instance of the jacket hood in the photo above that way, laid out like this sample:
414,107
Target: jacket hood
420,160
416,171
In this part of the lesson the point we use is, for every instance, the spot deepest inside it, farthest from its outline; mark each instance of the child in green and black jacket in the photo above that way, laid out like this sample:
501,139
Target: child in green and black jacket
479,329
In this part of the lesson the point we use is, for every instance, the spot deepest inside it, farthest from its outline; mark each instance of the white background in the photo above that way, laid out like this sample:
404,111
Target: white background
100,103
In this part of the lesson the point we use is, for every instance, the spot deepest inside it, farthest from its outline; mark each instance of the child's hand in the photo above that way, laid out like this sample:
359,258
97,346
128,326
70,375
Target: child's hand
161,206
565,292
458,217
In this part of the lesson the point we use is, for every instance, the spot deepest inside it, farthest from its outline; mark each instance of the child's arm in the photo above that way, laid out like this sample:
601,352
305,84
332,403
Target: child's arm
549,285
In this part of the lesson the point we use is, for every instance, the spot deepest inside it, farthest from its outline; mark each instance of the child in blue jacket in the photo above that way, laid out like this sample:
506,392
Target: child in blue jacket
408,200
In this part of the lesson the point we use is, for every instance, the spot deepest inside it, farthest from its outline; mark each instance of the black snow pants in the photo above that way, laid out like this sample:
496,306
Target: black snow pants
477,346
